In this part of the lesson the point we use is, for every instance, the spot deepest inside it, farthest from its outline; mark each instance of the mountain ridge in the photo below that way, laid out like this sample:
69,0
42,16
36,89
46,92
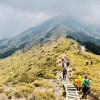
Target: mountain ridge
51,29
29,73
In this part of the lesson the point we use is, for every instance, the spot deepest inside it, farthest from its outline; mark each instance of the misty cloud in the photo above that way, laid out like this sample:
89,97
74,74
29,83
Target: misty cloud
17,16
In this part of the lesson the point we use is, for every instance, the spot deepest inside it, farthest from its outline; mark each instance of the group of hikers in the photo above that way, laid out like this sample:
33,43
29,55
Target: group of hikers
83,85
82,82
87,63
65,64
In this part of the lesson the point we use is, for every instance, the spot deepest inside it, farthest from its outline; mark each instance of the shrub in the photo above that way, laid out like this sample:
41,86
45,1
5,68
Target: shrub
17,94
42,83
48,59
9,97
23,90
40,73
16,75
26,78
49,76
47,95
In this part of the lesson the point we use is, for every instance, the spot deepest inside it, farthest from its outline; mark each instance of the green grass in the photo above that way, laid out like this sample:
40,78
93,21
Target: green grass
30,70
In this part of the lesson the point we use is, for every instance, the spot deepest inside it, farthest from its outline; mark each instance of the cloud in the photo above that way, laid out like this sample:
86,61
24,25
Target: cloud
19,15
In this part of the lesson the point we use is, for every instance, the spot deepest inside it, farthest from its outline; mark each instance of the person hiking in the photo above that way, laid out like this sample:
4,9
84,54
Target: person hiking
78,82
64,73
67,63
91,62
87,63
63,62
86,86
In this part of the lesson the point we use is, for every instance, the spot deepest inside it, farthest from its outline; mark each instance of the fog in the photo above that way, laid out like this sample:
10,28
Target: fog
19,15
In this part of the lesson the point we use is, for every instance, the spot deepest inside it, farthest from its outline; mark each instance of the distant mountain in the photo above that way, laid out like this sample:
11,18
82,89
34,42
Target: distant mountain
48,31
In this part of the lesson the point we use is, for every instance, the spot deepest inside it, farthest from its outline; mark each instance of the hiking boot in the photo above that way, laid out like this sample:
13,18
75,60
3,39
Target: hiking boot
82,97
86,97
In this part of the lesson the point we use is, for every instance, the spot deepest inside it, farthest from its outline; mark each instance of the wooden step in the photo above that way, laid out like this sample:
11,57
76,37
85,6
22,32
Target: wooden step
71,87
73,96
74,89
72,93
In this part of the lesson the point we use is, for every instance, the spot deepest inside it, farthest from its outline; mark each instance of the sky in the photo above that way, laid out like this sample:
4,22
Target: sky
17,16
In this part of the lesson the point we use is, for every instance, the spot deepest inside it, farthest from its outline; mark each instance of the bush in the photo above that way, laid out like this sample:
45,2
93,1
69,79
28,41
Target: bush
17,94
42,83
40,73
48,59
23,90
49,76
47,95
26,78
9,97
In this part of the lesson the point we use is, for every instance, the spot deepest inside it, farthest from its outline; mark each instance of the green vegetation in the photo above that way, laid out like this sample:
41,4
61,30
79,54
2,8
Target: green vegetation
78,61
92,47
30,72
46,95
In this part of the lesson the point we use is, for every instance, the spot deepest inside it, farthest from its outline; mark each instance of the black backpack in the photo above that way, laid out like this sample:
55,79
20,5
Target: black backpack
64,71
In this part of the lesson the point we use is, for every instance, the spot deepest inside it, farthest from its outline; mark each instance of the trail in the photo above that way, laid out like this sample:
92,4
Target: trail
71,91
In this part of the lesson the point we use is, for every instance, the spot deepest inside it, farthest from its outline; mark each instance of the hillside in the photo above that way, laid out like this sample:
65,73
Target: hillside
27,73
48,31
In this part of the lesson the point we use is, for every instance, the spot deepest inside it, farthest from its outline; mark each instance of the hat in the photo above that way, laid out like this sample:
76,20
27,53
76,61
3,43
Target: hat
85,76
79,77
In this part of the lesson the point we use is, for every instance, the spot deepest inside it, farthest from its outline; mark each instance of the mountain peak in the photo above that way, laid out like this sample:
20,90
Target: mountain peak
53,28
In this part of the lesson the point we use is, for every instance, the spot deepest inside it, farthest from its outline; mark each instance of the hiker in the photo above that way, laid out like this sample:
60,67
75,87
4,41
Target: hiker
91,62
78,82
86,86
64,73
87,63
63,62
67,63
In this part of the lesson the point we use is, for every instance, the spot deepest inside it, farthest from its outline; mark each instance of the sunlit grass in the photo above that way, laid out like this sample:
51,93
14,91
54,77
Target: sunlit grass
32,69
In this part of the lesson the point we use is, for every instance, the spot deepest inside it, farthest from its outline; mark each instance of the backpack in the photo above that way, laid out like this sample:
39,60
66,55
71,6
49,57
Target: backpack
79,83
64,71
67,63
87,84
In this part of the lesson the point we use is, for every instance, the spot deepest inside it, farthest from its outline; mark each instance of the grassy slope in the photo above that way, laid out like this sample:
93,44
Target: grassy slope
29,70
78,60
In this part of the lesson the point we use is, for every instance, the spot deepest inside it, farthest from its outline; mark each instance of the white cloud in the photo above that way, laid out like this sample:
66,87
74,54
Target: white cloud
13,21
19,15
